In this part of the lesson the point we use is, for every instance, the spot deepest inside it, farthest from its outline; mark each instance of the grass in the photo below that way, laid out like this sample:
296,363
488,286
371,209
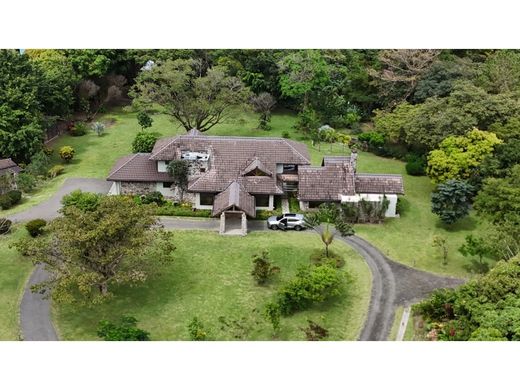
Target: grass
14,272
210,277
407,239
397,321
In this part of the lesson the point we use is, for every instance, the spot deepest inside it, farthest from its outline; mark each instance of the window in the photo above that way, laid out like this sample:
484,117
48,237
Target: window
256,172
206,199
262,200
290,168
167,185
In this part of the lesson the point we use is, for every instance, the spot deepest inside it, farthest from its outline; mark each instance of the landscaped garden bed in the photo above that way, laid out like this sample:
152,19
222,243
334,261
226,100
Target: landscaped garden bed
210,279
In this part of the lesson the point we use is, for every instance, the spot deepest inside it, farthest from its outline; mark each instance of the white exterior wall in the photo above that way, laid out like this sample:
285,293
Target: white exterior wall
161,166
165,191
115,189
279,168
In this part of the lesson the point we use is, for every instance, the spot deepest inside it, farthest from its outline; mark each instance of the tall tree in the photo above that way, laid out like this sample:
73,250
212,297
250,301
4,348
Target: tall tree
451,200
400,71
301,73
329,214
188,94
458,157
263,103
21,134
179,171
59,81
88,252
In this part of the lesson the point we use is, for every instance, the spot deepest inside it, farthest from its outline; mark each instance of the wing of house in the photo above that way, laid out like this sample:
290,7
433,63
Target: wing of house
7,165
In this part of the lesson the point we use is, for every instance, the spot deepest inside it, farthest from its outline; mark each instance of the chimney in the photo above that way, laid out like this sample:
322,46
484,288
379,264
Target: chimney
353,159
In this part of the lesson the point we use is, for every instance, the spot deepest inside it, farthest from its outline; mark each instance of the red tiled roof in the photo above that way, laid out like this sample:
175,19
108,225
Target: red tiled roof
7,165
325,183
137,167
367,183
230,158
234,196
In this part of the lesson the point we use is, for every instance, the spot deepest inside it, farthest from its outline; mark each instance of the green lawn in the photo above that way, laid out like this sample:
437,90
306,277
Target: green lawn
14,272
210,277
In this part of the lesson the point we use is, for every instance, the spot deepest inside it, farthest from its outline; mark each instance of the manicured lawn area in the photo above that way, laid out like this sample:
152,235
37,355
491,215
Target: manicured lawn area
14,272
406,239
211,278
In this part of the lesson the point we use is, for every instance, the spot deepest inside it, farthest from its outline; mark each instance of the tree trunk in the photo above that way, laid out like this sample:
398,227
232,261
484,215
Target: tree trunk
103,288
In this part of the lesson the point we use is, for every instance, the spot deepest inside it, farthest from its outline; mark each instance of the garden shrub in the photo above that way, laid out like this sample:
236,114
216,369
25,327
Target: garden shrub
56,170
415,165
263,270
79,129
153,197
35,227
5,225
5,202
372,139
144,142
485,308
48,151
311,284
125,331
169,209
319,256
15,196
25,181
67,153
39,165
144,120
98,128
85,201
286,135
196,330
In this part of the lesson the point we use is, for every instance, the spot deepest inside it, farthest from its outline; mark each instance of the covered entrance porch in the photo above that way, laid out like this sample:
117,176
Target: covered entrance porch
234,205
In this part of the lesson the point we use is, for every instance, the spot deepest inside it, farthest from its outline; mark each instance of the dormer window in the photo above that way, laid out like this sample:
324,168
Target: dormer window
256,172
256,168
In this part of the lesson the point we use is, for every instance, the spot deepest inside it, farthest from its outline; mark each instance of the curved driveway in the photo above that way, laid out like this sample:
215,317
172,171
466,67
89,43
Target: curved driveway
35,309
393,284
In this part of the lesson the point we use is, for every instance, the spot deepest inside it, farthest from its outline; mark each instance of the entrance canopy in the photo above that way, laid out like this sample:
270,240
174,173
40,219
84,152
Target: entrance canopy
234,197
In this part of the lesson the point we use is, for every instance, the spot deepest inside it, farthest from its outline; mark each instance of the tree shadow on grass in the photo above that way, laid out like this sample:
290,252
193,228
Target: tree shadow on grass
465,224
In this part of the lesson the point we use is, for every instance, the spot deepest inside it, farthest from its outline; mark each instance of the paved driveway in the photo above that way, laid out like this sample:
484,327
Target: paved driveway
49,209
35,311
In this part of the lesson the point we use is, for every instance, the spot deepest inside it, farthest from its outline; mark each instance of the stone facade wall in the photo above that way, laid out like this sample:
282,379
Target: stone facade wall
143,188
137,188
195,166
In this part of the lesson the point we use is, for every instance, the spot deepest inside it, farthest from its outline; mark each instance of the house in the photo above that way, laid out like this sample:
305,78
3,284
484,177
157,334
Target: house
9,166
236,176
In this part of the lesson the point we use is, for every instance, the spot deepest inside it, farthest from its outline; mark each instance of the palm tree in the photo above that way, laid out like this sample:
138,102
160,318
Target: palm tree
328,213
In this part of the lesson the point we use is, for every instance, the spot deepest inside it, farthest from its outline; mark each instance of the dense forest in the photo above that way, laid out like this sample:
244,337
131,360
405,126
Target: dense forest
453,115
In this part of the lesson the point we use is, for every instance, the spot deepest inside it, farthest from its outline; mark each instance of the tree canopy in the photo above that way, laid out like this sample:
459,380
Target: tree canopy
89,250
197,99
458,157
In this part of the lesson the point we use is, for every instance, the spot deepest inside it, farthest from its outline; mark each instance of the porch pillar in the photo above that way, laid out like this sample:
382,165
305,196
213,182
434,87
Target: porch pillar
222,228
244,224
